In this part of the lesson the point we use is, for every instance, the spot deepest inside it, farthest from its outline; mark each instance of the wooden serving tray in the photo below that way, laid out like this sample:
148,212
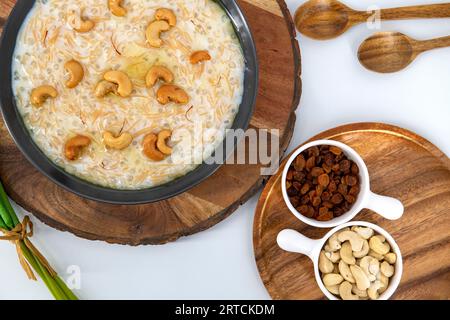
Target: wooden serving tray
199,208
402,165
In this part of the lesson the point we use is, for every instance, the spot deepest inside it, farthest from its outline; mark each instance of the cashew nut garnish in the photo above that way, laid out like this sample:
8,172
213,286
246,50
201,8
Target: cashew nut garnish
333,256
370,266
332,279
364,273
359,293
75,69
384,282
344,270
199,56
74,147
117,142
325,265
345,291
153,32
158,72
82,25
333,244
105,87
362,281
149,148
373,290
161,143
377,256
364,233
124,85
166,15
333,289
347,253
355,240
364,251
387,269
115,6
391,258
40,94
170,92
378,244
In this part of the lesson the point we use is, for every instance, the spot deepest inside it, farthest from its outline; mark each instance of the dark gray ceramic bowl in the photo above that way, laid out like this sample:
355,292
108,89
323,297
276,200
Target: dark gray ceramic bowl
88,190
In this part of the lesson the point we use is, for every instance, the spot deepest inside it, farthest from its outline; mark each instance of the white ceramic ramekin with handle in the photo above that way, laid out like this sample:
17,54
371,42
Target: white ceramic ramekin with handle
293,241
387,207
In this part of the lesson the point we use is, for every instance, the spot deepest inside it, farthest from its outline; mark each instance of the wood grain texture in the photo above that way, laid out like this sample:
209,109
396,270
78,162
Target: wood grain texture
386,52
402,165
199,208
327,19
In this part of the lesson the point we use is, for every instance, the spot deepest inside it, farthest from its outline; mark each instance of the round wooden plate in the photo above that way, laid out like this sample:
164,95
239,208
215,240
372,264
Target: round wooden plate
402,165
201,207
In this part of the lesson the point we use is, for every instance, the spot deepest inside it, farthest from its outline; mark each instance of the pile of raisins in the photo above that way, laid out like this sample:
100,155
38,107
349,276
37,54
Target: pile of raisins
322,183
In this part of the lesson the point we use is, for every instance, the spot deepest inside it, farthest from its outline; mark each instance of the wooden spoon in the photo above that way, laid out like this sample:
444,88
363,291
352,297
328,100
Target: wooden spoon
386,52
327,19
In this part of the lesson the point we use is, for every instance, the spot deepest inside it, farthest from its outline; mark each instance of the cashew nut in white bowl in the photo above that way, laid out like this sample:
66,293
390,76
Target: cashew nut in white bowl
355,240
389,208
293,241
363,252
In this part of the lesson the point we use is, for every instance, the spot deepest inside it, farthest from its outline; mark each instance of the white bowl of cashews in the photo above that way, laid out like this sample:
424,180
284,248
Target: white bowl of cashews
354,261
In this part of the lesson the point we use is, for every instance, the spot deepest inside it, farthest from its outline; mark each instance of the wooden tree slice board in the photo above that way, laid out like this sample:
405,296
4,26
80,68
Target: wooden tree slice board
402,165
199,208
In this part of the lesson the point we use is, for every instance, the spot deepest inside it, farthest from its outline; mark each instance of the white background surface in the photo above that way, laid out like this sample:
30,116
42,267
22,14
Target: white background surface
219,263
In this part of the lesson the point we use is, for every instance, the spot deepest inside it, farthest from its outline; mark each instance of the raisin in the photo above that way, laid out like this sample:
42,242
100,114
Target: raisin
295,201
337,198
329,158
297,185
304,199
319,160
326,168
324,215
316,201
299,163
354,191
335,150
328,204
344,165
323,180
310,163
319,190
290,175
314,151
332,187
311,194
326,196
342,189
351,180
305,188
292,192
354,169
303,209
338,212
299,176
350,199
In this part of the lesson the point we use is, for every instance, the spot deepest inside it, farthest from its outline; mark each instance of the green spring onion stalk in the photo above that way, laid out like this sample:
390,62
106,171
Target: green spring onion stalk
8,221
6,206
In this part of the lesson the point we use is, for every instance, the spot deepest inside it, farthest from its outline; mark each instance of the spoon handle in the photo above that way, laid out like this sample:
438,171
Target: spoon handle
421,46
425,11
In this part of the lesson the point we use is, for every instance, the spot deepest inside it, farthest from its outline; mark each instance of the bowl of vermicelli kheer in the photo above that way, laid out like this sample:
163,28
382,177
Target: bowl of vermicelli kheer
124,101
